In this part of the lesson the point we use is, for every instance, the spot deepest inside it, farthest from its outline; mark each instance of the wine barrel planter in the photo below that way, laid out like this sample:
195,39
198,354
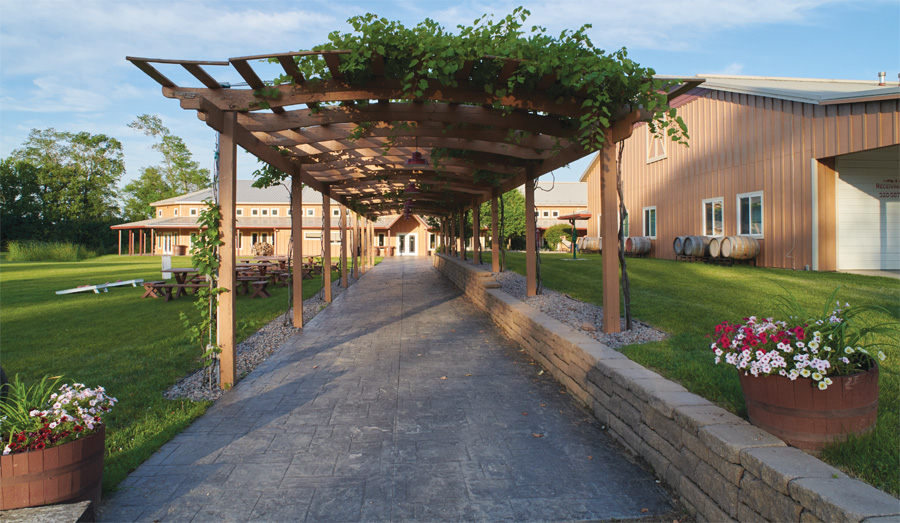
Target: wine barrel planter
808,418
637,245
678,245
739,247
695,246
67,473
715,247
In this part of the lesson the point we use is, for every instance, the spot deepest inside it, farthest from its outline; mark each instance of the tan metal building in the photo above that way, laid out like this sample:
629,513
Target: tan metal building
810,168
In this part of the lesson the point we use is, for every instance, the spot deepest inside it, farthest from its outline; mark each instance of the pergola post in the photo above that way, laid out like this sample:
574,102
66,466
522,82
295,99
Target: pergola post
356,246
363,254
530,243
345,270
120,242
609,225
476,235
297,245
326,251
371,244
152,242
225,313
453,250
130,242
495,232
462,233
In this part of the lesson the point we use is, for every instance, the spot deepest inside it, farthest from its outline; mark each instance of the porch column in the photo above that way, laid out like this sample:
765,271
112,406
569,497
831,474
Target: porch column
372,243
462,233
345,271
225,314
495,233
476,235
530,243
326,238
609,227
130,242
453,234
120,242
143,242
297,244
152,242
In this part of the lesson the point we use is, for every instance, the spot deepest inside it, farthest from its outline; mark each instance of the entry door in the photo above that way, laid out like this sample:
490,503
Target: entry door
406,245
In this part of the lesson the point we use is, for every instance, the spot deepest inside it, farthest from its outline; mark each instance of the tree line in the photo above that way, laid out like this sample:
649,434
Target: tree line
63,186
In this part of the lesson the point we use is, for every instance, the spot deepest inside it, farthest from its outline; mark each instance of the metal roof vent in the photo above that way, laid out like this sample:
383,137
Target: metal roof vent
881,77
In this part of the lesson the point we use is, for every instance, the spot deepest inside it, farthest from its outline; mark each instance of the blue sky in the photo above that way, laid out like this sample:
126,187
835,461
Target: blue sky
62,63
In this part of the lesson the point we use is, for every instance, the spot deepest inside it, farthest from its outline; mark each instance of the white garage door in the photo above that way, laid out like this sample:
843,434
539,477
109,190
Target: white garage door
868,208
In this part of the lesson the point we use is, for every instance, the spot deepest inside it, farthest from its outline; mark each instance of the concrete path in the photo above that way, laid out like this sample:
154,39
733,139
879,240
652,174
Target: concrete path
400,401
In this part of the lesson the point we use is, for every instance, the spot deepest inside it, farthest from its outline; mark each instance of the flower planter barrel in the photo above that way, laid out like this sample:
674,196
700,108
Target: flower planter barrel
806,417
66,473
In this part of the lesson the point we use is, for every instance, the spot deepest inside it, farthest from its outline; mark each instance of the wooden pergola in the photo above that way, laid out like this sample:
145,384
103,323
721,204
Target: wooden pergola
351,143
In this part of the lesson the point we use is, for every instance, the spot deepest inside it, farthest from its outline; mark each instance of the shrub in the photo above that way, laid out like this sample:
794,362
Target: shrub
555,233
32,250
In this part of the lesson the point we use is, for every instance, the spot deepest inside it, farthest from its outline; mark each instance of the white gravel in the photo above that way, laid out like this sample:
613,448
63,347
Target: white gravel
255,349
579,315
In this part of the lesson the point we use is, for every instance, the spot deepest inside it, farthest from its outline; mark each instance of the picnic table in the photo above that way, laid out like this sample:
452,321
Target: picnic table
256,267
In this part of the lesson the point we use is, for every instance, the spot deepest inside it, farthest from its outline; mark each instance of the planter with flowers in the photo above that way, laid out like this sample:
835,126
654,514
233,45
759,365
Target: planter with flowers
808,380
53,443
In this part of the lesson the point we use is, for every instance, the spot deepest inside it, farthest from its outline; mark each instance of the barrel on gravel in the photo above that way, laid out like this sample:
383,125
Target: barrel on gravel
589,244
678,245
715,247
637,245
695,246
739,247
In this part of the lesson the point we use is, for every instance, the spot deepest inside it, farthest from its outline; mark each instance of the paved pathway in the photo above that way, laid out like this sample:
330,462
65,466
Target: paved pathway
400,401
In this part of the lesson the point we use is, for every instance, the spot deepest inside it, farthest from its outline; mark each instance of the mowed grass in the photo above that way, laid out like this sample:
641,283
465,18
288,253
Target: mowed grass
136,348
687,301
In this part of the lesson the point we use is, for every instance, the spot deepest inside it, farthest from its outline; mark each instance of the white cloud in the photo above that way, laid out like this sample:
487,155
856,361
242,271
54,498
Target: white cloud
732,68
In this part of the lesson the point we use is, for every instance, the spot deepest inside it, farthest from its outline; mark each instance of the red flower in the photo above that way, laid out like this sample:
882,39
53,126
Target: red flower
78,428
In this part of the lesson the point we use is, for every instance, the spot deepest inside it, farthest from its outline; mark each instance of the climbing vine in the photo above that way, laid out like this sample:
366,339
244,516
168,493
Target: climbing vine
428,55
205,258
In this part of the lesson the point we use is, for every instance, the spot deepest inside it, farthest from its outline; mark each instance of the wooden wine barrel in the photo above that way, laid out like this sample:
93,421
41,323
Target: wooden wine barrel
695,246
678,245
739,247
715,247
589,244
68,473
806,417
637,244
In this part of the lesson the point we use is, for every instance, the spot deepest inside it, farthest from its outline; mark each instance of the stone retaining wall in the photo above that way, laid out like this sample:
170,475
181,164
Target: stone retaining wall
722,467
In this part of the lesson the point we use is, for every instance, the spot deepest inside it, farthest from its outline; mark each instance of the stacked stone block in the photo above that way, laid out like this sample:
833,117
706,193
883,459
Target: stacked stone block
723,468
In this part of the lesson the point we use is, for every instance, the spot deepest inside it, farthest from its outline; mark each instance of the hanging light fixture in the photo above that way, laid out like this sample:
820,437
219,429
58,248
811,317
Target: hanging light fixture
411,188
416,160
407,209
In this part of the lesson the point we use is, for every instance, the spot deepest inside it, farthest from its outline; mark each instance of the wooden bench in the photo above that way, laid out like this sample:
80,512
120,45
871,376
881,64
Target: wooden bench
259,289
167,288
151,289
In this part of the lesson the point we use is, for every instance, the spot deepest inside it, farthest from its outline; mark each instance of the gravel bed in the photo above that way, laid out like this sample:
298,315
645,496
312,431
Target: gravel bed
255,349
583,317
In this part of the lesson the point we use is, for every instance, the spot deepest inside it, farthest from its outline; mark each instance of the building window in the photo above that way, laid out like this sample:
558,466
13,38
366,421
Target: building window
159,213
265,212
254,212
381,239
336,237
335,212
253,239
193,211
432,240
656,146
535,214
239,212
310,212
312,235
714,217
555,214
650,221
289,211
750,213
625,226
176,212
545,214
274,212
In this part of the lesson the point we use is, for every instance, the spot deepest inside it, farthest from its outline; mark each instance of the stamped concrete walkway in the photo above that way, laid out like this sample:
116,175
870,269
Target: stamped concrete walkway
400,401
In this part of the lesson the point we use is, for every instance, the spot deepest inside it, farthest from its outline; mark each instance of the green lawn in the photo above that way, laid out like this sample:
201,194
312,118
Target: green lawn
687,300
136,348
